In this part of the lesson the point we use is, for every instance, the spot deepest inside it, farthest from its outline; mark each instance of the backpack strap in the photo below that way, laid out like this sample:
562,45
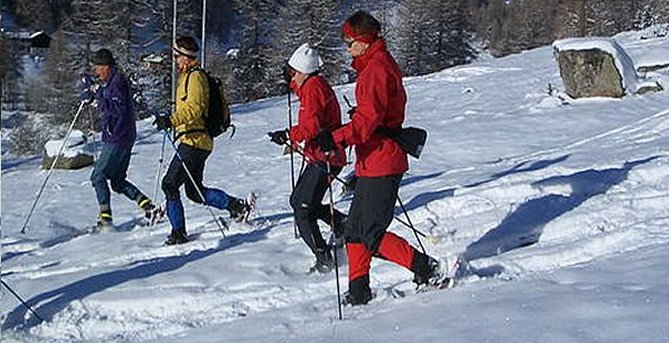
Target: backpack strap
190,71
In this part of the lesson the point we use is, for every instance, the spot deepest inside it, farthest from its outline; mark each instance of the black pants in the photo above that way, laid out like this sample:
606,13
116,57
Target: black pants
372,210
176,175
307,207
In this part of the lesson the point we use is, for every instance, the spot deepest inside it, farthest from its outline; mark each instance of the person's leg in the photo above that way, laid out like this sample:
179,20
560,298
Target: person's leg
305,201
172,181
118,175
195,160
359,257
99,181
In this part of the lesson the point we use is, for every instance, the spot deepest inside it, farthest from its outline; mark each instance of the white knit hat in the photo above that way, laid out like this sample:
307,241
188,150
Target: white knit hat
305,59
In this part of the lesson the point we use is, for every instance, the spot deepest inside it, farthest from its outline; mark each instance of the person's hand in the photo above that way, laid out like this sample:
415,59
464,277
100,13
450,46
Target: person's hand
351,112
163,122
87,95
279,137
325,141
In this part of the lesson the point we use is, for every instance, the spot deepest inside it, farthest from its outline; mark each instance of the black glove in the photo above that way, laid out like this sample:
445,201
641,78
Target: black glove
279,137
163,122
351,112
325,141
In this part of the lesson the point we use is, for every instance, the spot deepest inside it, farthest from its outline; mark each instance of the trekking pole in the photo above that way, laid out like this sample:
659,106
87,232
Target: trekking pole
22,301
158,172
415,232
332,226
53,164
292,159
409,225
199,191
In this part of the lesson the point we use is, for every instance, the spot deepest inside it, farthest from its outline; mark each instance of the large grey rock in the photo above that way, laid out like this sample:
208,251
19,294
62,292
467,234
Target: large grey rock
80,160
590,73
75,152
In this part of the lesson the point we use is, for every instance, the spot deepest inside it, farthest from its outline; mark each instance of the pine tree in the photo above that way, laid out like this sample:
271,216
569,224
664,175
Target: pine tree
315,22
60,81
432,36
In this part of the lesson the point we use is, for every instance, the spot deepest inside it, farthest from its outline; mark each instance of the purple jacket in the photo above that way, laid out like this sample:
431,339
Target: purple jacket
118,114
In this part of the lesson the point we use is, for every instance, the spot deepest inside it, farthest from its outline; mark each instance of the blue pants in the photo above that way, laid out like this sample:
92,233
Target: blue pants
194,159
112,165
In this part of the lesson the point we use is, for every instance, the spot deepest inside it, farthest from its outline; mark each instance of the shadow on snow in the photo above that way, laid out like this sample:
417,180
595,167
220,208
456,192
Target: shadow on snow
524,226
52,302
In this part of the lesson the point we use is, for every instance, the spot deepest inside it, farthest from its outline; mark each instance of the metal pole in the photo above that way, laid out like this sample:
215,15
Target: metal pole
332,227
204,32
174,61
409,225
199,191
292,158
53,164
22,301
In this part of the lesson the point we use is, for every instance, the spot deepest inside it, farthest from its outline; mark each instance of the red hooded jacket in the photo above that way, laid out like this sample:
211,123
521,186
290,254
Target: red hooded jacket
319,110
381,99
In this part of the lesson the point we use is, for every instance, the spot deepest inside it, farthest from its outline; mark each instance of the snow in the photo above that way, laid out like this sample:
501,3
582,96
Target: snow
559,206
73,146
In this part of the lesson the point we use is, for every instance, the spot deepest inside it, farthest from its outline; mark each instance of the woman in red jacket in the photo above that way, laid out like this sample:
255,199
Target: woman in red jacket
319,111
380,161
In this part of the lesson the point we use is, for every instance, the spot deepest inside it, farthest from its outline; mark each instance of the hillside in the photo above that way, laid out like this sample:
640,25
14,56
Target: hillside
559,206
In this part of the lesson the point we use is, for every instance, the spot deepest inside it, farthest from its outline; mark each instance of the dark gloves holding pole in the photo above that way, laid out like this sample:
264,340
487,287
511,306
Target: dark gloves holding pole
163,122
90,88
279,137
325,141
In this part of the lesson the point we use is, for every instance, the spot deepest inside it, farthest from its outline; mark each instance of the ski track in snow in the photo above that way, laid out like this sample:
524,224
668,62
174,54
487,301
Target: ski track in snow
534,210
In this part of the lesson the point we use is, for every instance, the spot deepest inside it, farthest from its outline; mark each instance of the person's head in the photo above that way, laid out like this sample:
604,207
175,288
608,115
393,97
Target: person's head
103,62
185,51
359,31
303,62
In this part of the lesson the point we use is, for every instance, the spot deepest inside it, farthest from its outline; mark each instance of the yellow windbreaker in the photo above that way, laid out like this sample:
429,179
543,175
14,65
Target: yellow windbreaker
188,119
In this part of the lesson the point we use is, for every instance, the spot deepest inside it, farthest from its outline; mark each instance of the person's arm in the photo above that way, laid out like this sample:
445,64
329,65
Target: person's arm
312,105
372,97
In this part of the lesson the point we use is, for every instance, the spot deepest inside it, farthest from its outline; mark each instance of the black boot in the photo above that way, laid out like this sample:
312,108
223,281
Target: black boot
358,292
324,262
178,236
239,209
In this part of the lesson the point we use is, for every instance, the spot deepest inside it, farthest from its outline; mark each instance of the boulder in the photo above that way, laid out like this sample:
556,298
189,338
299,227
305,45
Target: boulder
75,152
598,67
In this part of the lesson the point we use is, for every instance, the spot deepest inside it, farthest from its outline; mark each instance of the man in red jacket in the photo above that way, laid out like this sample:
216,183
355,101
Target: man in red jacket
380,162
319,111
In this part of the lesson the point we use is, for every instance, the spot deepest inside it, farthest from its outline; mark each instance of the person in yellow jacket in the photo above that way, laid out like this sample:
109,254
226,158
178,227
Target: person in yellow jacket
195,145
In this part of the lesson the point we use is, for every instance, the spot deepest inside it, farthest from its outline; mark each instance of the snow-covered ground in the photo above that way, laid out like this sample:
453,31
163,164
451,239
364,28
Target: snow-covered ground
560,206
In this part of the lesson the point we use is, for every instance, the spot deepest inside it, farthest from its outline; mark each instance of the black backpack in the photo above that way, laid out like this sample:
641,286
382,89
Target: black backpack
217,117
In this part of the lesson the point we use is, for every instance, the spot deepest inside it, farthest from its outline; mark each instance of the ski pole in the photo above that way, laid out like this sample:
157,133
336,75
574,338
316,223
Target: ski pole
199,191
342,181
332,227
53,164
292,159
158,172
22,301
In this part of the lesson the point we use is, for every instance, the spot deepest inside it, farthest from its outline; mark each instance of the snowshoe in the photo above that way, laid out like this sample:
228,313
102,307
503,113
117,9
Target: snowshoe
324,263
441,275
177,237
241,209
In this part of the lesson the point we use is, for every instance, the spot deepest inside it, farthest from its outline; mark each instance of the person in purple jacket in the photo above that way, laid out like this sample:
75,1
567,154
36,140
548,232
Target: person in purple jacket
113,98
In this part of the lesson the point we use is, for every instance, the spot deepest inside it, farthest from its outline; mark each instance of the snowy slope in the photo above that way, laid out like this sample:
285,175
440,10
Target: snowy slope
559,205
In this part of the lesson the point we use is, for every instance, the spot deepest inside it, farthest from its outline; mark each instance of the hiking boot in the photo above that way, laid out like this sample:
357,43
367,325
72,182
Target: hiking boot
147,206
177,237
324,263
104,222
431,274
349,299
240,209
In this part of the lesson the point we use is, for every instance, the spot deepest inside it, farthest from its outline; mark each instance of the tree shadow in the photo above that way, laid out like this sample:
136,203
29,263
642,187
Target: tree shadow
52,302
525,225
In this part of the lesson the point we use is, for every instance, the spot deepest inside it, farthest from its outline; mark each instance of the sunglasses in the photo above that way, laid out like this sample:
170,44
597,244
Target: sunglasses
350,42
